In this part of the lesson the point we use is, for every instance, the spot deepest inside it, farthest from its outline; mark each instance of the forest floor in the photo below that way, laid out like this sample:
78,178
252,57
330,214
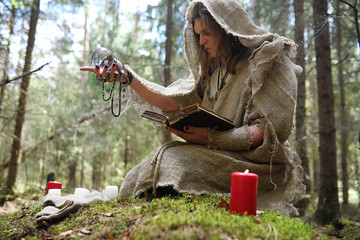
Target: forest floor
179,217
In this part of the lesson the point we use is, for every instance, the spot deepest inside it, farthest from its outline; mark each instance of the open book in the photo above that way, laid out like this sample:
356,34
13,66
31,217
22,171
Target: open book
193,115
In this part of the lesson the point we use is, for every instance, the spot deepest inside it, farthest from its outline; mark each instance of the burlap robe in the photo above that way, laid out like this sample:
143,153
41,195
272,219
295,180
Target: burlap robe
262,91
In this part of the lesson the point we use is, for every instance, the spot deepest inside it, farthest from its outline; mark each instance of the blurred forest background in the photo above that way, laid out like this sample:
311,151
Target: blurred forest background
55,120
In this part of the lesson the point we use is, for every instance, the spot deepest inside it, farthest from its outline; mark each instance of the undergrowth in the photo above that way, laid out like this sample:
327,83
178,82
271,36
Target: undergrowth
182,217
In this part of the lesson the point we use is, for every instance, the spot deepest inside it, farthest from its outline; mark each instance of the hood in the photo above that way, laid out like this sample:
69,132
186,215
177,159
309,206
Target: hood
233,19
273,76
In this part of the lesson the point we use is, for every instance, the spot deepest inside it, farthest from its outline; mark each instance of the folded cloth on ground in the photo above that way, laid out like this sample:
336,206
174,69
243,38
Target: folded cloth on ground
58,207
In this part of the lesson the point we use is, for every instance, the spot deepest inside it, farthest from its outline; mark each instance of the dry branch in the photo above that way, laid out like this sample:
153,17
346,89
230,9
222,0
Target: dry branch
7,81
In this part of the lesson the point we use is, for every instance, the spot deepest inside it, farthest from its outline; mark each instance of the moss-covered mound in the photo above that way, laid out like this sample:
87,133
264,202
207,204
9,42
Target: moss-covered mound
182,217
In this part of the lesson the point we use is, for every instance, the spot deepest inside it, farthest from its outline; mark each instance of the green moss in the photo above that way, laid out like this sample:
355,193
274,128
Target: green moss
202,218
185,217
20,223
344,229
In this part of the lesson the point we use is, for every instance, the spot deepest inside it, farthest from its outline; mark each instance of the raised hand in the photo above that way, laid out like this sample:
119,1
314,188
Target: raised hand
104,74
116,73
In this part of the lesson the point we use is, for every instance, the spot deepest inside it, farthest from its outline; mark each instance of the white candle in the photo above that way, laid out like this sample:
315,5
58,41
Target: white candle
81,191
113,190
54,191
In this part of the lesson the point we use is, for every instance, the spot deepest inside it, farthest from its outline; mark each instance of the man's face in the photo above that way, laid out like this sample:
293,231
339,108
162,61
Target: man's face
206,39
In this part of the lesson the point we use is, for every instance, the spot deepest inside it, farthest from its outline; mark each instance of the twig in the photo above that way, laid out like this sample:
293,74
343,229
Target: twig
356,18
22,75
349,4
324,25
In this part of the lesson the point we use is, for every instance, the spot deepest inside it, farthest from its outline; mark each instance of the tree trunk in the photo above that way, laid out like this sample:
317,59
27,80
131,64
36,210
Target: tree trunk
96,174
126,151
20,114
7,54
84,74
328,205
168,46
343,114
167,68
72,175
136,27
5,78
301,97
82,170
313,135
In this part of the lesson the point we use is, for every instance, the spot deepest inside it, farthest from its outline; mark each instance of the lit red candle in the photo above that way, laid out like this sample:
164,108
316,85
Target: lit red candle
243,195
53,185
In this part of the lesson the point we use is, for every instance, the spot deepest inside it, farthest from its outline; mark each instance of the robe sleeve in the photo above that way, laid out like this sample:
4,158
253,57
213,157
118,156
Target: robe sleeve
188,99
237,139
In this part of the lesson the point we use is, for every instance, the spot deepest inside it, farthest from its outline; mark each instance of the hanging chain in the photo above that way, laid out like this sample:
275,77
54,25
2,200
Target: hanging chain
112,102
125,80
111,95
103,88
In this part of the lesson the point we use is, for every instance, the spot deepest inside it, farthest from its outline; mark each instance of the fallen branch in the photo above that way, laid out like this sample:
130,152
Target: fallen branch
7,81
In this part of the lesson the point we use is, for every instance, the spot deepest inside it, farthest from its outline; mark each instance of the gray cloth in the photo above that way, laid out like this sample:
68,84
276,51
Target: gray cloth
263,91
59,207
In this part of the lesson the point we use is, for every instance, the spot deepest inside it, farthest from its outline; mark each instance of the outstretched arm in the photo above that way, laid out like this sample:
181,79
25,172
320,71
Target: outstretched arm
165,103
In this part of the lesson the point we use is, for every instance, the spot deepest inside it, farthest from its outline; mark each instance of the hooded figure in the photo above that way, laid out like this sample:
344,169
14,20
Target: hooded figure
259,89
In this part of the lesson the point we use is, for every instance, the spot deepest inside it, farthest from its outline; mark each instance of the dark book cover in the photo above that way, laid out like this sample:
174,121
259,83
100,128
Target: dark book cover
194,115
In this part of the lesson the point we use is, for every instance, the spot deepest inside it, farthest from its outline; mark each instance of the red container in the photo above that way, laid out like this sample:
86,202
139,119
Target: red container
53,185
243,195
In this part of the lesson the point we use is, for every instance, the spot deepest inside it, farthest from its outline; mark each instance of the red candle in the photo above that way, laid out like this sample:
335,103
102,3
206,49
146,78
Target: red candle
53,185
243,195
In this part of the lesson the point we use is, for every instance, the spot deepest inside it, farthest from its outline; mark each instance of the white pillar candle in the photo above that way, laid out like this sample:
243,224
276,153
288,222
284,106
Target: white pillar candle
113,190
81,191
54,191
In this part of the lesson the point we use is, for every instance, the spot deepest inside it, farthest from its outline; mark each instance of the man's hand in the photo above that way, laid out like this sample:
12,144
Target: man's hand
191,134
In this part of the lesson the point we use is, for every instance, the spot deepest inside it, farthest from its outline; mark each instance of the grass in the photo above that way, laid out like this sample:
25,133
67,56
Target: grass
182,217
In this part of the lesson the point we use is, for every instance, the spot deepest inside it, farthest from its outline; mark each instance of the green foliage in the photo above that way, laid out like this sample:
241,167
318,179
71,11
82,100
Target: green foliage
182,217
